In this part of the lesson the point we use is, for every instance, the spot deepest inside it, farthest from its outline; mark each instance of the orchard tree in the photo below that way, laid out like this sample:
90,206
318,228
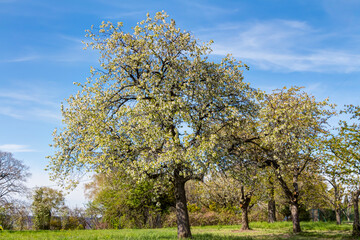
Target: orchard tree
334,167
349,150
291,123
153,109
242,166
45,201
13,174
248,176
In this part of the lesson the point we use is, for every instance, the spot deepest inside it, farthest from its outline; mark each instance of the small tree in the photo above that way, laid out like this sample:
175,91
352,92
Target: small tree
247,176
335,171
45,201
13,174
290,124
153,109
349,150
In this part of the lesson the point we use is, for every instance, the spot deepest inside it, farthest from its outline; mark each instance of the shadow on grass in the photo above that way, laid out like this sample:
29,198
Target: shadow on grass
289,236
325,235
214,236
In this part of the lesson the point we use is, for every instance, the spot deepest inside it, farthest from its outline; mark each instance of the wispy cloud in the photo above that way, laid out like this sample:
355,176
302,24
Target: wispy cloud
71,38
71,51
29,104
10,112
23,96
15,148
283,45
47,114
21,59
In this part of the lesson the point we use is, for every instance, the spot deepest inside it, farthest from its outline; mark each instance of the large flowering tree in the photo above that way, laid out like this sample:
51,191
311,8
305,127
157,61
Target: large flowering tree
153,109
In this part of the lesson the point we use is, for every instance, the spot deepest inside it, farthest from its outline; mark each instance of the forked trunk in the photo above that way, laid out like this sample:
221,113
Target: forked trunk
182,216
356,224
294,208
245,218
244,204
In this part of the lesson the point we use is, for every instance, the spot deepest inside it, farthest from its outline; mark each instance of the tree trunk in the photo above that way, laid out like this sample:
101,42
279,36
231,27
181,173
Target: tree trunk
182,216
271,211
356,224
337,202
338,215
271,203
245,218
292,196
244,205
294,208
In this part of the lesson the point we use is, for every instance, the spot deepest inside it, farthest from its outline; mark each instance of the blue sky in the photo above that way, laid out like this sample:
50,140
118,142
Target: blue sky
305,43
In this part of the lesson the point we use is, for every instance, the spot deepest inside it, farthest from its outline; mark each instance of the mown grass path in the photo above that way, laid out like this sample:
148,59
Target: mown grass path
260,231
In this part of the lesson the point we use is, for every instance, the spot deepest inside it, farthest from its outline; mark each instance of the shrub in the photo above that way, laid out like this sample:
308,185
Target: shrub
55,223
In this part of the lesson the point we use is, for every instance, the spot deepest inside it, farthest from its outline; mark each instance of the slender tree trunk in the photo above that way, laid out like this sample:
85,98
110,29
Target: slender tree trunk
356,224
271,203
182,216
245,218
337,202
338,215
294,208
271,211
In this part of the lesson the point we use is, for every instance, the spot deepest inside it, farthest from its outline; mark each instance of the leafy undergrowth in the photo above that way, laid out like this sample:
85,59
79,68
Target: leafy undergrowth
260,231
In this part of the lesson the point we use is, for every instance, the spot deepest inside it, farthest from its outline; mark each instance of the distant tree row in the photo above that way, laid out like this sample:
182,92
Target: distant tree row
47,209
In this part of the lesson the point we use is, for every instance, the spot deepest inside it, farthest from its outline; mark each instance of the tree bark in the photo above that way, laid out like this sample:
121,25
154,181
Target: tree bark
356,224
271,203
338,215
294,208
293,199
337,202
182,216
271,211
245,218
244,204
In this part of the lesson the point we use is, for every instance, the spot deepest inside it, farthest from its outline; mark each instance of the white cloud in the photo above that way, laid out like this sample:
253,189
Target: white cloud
283,45
21,59
10,112
15,148
23,96
29,104
48,114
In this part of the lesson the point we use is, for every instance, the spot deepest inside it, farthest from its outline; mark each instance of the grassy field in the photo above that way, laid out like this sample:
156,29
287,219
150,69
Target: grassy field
279,230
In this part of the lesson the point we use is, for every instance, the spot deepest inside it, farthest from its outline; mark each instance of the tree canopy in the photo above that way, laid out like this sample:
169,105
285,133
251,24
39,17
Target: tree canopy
154,108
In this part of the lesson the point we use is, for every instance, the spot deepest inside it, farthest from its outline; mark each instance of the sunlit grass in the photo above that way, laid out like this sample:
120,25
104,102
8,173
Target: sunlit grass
260,231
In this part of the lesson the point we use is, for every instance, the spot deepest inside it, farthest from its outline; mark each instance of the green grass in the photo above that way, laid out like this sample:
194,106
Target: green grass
260,231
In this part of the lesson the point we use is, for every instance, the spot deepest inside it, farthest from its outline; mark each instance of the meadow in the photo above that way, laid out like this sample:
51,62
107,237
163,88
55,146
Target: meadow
260,231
